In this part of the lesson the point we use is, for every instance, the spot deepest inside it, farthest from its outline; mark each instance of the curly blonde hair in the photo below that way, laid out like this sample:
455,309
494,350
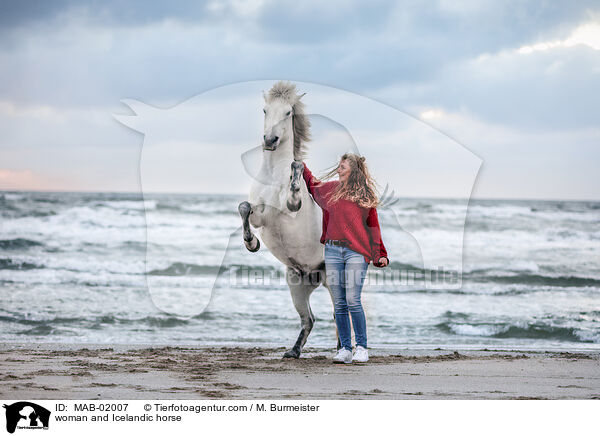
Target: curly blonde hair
360,187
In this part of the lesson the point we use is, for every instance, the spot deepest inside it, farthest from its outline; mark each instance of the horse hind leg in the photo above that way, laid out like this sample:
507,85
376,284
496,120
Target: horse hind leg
323,277
250,240
300,287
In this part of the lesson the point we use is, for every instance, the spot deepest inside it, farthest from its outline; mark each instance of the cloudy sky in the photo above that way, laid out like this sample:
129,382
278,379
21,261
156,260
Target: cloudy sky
515,82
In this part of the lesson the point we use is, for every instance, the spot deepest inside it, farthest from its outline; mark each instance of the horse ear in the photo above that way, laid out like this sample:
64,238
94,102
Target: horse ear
264,96
141,112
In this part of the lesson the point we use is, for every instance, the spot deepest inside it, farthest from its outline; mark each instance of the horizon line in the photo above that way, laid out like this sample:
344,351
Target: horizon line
245,194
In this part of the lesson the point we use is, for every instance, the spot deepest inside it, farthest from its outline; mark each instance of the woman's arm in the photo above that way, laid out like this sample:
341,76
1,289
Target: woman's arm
311,182
377,247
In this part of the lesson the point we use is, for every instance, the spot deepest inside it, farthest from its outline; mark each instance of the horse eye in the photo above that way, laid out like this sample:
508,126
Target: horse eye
288,114
264,111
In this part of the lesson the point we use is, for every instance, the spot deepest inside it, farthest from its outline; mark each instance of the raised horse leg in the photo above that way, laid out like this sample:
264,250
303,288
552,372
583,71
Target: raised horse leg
294,199
250,240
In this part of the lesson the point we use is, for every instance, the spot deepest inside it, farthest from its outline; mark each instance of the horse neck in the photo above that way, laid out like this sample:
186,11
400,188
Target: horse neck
279,159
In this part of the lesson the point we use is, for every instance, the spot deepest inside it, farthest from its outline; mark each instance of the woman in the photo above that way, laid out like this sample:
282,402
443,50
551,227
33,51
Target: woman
352,240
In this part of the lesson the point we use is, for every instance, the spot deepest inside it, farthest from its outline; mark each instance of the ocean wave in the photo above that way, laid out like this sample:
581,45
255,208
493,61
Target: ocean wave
198,209
590,315
512,282
498,211
534,279
126,204
99,321
12,318
455,315
41,330
185,269
11,264
12,212
165,206
512,292
470,289
14,244
375,288
48,325
12,197
516,266
266,318
190,269
47,200
514,331
568,216
150,321
418,206
155,321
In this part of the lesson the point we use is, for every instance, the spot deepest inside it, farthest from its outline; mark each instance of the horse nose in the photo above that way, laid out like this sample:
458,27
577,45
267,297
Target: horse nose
270,140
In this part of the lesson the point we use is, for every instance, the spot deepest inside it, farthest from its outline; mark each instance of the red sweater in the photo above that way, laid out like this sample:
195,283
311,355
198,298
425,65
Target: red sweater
346,220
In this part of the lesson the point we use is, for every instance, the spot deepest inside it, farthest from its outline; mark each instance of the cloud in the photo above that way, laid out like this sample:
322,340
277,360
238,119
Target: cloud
587,34
527,164
70,149
11,110
547,89
520,68
101,52
16,14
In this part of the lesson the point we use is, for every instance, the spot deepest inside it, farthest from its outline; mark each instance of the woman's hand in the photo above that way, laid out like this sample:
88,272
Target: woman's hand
382,261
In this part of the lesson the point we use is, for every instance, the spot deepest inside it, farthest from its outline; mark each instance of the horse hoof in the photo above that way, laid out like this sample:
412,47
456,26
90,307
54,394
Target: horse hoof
244,209
291,354
256,248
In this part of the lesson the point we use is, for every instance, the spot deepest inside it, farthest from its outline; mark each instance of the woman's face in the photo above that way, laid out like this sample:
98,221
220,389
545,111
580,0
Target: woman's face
343,170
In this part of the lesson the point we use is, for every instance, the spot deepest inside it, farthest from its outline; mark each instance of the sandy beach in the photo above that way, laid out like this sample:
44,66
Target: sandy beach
67,371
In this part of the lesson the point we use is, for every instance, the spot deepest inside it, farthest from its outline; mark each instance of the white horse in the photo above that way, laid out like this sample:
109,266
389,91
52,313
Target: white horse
280,207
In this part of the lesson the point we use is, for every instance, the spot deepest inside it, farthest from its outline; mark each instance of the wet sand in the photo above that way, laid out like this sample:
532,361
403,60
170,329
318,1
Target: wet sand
67,371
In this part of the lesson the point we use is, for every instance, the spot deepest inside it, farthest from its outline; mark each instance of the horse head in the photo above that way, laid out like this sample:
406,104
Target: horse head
285,120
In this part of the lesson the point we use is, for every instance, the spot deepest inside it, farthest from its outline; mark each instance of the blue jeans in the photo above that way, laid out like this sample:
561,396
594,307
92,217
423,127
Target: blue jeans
346,270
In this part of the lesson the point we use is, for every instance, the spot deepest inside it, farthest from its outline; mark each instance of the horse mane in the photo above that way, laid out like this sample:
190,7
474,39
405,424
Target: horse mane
286,91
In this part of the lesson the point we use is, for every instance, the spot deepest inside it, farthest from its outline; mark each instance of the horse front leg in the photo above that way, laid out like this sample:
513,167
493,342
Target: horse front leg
294,199
250,240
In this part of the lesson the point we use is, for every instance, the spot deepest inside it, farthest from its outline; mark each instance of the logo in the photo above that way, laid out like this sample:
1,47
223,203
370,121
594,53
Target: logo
26,415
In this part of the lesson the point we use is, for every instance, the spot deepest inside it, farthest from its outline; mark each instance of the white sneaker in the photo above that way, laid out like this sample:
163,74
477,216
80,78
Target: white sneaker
343,356
361,354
